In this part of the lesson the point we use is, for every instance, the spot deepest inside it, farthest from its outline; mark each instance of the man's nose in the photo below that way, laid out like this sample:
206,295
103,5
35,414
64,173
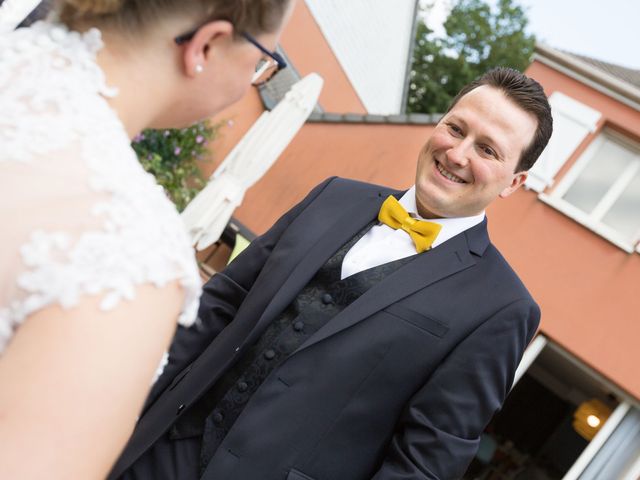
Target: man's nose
459,153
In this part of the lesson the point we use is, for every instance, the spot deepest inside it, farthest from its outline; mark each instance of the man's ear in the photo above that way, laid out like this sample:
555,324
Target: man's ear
518,180
202,47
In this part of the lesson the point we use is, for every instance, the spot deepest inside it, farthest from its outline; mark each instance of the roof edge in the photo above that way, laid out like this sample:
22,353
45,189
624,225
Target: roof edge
580,67
371,119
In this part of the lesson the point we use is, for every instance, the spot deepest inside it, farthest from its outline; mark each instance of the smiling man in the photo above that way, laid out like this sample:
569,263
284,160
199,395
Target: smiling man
370,333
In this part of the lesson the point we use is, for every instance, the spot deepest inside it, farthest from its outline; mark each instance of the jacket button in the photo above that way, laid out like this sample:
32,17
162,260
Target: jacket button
298,326
242,386
180,409
269,354
217,418
327,299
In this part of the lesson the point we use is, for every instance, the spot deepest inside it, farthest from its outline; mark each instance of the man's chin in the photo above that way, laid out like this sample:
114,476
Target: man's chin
427,211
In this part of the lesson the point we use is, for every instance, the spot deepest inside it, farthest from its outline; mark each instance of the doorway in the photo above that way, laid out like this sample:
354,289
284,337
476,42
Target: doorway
539,434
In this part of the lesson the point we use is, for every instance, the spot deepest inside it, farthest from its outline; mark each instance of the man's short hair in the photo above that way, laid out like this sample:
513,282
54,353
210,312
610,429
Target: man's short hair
529,96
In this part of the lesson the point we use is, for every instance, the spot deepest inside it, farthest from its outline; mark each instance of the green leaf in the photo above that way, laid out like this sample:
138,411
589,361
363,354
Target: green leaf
172,156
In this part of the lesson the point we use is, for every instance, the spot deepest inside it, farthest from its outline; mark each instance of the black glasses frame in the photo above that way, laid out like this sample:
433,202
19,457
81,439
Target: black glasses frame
186,37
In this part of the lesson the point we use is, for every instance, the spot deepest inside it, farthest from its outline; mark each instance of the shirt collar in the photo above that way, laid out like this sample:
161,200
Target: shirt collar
450,226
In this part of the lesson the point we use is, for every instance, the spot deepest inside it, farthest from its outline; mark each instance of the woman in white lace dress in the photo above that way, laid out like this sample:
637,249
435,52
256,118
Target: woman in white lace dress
95,268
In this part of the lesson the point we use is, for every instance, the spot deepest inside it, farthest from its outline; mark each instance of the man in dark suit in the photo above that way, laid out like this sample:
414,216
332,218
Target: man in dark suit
354,342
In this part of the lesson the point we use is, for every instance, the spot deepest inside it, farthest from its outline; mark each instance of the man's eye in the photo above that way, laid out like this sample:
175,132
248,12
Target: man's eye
455,128
489,151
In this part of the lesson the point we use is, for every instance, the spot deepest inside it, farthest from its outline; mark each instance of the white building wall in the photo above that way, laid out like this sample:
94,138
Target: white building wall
371,40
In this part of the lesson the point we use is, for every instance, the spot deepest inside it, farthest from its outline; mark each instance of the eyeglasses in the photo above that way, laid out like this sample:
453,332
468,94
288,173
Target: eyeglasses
270,64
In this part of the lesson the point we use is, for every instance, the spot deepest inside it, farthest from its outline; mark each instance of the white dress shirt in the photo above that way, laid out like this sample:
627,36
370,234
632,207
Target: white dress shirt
382,244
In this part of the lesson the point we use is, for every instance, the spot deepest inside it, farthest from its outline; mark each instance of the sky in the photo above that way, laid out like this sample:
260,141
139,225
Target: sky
608,30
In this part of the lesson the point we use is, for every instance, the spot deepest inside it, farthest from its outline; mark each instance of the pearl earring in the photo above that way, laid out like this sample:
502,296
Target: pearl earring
199,68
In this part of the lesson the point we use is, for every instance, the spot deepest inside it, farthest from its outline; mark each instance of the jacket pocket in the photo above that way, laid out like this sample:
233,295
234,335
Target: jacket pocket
297,475
434,327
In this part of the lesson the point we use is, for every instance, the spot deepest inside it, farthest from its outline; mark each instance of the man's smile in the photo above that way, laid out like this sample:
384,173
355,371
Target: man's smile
447,174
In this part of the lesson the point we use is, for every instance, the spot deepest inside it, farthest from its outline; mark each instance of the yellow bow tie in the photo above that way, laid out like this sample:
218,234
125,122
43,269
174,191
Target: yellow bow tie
423,233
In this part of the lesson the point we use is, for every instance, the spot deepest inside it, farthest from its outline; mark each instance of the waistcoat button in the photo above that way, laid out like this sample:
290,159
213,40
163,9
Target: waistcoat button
217,418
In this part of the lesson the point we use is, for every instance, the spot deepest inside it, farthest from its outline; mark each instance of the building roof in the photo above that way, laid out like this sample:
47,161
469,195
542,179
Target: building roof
625,74
617,81
277,87
399,119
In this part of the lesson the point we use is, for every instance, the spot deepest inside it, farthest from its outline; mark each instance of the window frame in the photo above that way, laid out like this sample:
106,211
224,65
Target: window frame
593,221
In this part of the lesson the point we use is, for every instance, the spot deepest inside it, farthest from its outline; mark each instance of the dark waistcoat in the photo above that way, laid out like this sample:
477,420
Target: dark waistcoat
326,295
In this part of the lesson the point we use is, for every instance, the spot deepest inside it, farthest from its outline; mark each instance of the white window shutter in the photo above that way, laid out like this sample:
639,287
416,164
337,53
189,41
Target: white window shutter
572,122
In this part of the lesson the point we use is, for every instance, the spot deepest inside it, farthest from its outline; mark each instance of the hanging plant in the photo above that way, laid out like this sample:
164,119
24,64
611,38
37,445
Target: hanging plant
172,156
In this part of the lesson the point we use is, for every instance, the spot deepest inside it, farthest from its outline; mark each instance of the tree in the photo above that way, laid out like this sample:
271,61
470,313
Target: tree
478,37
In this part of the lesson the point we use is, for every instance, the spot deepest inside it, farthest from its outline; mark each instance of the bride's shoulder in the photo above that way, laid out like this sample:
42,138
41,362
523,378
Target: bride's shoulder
87,221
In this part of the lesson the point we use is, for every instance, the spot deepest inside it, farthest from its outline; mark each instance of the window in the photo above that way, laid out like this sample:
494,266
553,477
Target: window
572,122
602,191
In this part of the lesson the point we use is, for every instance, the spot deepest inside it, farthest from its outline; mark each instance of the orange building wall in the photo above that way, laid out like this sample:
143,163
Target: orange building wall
586,286
307,47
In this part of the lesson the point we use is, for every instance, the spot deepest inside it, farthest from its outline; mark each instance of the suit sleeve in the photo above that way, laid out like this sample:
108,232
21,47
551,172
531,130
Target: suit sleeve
439,430
224,293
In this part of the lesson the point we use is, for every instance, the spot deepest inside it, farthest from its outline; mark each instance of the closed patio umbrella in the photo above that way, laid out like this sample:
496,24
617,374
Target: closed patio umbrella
209,212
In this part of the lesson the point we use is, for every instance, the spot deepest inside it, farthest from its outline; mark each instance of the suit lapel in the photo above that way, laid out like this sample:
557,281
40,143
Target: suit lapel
427,268
313,256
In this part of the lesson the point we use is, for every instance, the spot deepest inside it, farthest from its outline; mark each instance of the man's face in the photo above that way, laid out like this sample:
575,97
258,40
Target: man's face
471,156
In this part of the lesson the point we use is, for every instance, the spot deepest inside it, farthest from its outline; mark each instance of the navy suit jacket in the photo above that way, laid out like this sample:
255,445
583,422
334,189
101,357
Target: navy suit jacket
399,385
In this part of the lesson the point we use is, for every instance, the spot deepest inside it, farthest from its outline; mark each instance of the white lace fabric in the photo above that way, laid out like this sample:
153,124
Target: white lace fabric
80,216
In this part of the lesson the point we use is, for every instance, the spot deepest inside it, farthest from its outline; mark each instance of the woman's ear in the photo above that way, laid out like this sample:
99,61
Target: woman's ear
204,44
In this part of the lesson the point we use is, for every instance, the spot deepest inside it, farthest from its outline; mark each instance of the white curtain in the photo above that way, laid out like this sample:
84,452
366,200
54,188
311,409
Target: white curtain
619,453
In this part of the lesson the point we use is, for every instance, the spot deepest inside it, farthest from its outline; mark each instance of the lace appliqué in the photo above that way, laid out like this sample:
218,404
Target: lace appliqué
37,118
139,236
